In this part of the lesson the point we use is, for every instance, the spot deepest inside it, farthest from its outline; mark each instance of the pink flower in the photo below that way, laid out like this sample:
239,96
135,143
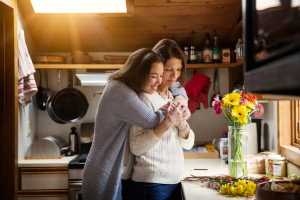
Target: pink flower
217,104
259,111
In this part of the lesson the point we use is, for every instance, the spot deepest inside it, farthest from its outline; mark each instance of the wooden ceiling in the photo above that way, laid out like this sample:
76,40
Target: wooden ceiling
146,22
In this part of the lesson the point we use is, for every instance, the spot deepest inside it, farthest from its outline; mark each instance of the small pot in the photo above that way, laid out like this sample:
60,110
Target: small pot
79,57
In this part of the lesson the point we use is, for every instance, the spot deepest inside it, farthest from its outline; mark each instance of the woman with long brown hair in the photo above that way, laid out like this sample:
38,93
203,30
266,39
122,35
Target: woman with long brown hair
119,108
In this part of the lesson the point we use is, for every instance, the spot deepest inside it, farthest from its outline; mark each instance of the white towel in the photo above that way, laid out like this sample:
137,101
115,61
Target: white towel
26,85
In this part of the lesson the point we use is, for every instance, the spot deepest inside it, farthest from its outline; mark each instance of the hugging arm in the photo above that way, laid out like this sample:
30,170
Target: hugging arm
134,111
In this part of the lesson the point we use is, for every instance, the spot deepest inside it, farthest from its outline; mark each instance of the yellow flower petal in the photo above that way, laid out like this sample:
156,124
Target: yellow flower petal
232,99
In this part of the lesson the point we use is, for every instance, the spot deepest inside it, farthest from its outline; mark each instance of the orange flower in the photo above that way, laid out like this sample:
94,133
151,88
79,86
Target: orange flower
249,97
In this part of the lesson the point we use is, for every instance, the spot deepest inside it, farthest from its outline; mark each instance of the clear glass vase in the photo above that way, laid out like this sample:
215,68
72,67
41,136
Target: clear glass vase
237,146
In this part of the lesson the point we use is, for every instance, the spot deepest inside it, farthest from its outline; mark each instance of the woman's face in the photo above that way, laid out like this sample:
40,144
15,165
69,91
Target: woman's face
172,71
154,78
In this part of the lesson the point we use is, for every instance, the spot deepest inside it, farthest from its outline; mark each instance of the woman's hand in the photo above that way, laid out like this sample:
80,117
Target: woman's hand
175,114
182,103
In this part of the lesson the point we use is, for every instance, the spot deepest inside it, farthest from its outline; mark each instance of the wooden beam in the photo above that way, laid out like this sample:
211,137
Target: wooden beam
8,104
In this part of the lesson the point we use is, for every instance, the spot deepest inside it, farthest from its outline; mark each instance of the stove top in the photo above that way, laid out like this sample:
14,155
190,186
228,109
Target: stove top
78,162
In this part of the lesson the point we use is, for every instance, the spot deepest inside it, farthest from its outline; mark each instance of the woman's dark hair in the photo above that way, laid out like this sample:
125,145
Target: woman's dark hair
167,49
137,68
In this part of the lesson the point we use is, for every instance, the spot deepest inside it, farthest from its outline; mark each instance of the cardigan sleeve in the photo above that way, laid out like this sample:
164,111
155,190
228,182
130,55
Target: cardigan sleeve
130,108
177,90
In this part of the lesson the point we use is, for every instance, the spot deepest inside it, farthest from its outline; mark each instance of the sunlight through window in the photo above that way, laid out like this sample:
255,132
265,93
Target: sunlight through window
79,6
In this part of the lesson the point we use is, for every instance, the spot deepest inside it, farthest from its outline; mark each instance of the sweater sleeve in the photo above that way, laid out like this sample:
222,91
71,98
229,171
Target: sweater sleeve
141,140
177,90
187,143
130,108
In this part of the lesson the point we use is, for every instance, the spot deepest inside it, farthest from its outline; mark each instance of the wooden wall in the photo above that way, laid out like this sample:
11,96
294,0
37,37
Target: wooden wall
146,23
8,103
11,3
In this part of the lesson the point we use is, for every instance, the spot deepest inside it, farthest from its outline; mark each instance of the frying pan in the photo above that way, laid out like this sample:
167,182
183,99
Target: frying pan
67,105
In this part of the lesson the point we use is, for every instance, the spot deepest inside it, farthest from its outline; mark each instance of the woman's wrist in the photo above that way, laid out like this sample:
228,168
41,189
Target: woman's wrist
182,126
162,127
184,130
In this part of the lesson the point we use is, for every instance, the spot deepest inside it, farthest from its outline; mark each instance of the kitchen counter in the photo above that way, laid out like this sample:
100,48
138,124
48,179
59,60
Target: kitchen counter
61,162
194,190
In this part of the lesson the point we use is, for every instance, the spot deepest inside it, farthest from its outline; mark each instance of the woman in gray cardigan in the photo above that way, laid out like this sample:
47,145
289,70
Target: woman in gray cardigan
119,108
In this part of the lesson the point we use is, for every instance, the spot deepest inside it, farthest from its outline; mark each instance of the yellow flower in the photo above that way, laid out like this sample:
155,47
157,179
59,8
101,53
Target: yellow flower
250,105
232,99
240,113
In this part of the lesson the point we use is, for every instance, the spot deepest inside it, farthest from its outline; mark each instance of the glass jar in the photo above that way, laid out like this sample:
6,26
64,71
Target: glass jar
237,146
275,166
224,148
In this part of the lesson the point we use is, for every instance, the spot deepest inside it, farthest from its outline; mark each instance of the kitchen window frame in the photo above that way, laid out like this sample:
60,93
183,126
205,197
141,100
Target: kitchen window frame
295,123
288,113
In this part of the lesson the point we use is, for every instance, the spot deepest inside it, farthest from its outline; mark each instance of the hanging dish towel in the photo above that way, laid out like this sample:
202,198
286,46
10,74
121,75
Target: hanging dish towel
26,83
197,90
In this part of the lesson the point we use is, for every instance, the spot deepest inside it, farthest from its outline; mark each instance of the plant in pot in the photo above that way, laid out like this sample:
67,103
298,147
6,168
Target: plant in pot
238,108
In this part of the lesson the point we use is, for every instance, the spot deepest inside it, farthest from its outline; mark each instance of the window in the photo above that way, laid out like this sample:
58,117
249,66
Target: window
289,130
79,6
295,123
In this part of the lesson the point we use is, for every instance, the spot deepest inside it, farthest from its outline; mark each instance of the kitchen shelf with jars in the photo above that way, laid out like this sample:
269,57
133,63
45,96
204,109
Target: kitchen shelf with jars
118,66
210,56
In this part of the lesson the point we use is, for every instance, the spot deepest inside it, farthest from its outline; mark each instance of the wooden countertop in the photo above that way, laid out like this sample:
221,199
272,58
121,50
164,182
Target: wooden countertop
62,162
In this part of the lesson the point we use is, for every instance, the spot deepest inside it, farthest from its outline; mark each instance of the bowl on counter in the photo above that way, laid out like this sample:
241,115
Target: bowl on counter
278,190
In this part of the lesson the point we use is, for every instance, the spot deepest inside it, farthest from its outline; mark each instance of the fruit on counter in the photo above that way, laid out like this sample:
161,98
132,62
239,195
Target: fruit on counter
241,187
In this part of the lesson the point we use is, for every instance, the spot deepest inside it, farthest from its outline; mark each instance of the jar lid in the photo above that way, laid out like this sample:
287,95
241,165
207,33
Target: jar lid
276,157
225,139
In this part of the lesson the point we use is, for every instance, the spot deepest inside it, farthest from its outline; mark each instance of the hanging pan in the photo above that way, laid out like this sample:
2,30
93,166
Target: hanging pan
67,105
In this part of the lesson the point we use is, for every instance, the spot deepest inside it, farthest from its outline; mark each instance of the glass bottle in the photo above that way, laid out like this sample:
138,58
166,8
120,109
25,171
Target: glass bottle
193,56
186,53
216,51
207,50
239,50
74,141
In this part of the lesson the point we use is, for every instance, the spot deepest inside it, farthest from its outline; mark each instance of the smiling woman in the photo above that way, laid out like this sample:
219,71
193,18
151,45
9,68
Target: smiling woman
79,6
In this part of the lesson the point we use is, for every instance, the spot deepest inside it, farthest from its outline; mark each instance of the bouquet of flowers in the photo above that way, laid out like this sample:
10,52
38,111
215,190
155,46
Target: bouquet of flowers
238,108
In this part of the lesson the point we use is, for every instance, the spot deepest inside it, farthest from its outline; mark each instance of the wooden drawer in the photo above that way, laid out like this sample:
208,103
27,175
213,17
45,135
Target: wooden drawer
43,197
43,179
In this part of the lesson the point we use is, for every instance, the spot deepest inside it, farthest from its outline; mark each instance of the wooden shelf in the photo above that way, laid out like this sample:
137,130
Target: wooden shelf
118,66
214,65
78,66
275,97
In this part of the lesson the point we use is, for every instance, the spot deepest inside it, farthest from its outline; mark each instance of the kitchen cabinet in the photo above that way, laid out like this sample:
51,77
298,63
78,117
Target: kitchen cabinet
43,182
43,197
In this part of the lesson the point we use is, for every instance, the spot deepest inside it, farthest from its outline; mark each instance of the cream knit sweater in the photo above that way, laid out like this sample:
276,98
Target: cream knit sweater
158,160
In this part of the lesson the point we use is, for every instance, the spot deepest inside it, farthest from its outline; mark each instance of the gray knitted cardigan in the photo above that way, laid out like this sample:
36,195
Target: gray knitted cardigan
119,108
